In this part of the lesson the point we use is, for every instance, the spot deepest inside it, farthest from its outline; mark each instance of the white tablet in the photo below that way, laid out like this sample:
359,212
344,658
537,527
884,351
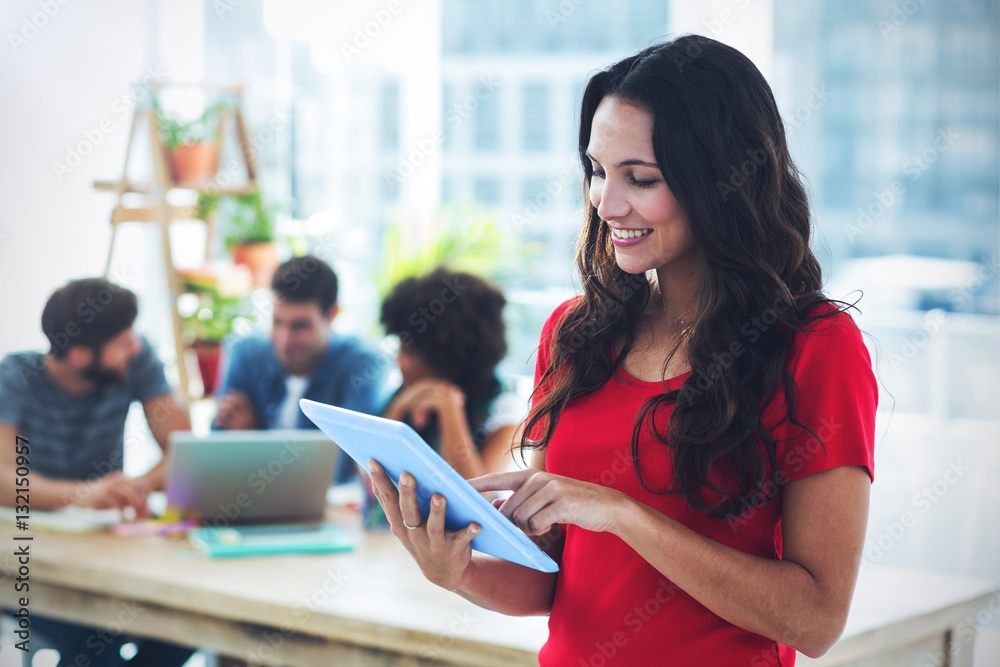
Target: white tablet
398,449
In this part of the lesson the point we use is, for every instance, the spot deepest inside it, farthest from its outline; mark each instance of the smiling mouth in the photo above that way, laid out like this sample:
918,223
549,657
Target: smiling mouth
629,233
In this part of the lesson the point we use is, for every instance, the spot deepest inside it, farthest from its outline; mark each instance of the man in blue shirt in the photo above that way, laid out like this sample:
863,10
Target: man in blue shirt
70,405
264,379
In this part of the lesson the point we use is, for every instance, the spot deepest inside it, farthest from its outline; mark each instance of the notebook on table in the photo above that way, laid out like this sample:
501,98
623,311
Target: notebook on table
270,540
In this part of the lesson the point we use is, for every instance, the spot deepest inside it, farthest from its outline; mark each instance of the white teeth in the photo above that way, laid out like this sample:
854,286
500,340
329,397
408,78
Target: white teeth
630,233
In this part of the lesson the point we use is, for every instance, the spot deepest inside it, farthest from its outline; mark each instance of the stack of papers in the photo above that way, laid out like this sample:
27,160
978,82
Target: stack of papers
70,519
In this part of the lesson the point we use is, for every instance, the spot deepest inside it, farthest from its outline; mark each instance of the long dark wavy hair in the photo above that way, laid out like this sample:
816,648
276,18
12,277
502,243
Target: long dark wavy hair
720,144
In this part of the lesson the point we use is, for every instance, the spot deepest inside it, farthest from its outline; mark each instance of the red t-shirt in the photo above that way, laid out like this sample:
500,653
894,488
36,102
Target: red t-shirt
611,606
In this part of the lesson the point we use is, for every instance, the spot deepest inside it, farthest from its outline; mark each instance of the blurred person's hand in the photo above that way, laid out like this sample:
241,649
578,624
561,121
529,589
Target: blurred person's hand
115,491
424,397
236,413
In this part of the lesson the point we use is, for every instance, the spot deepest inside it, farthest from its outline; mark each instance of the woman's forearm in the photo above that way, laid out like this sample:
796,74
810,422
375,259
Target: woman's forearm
777,599
457,446
507,587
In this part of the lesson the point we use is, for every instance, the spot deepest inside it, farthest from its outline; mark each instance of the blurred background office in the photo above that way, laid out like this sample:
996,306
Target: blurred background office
450,126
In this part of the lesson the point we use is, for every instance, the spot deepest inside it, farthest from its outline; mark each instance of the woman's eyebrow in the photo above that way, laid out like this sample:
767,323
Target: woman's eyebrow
628,163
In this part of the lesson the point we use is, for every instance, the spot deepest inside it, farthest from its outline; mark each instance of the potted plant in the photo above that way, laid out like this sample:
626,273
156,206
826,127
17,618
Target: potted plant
192,147
464,238
249,225
214,303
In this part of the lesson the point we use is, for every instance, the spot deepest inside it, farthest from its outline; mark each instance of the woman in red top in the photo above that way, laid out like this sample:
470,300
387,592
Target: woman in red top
703,439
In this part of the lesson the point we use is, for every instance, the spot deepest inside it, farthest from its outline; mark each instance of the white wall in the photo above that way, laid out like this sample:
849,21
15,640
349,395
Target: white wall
61,82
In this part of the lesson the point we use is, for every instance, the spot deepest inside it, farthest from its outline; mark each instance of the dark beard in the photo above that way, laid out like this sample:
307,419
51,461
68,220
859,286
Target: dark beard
100,375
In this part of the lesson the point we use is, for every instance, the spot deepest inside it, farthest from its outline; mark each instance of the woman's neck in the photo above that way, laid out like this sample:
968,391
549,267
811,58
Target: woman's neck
674,295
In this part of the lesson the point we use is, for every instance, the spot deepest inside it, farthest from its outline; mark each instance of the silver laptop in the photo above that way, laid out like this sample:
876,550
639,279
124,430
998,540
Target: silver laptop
236,477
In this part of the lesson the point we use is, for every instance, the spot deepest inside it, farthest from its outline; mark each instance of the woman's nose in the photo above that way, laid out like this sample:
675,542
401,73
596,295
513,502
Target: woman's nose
611,203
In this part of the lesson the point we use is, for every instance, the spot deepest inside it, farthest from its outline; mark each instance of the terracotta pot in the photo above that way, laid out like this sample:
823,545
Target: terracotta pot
260,258
194,162
208,354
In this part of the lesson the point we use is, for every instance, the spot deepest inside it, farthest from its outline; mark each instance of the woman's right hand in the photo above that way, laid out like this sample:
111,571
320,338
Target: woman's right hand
444,556
425,397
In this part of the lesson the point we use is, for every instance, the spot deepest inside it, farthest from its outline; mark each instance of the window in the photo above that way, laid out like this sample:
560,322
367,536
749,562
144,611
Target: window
487,191
448,125
536,117
389,117
486,117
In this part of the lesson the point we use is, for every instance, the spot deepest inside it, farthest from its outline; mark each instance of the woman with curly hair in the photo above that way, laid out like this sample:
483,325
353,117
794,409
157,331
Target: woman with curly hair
703,417
451,333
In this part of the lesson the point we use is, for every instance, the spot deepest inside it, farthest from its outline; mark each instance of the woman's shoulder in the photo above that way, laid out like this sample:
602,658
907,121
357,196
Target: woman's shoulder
556,316
830,333
827,320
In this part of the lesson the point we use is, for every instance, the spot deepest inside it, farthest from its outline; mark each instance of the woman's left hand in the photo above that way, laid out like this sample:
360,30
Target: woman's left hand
542,500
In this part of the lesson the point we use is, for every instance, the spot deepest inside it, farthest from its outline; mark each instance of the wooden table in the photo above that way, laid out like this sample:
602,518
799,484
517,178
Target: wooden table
373,607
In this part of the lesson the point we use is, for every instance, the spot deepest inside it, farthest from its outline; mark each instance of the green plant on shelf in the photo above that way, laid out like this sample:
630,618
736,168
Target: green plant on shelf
245,216
175,131
210,316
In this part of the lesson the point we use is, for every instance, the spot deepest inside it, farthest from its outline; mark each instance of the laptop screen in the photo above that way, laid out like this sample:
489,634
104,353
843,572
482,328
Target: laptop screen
236,477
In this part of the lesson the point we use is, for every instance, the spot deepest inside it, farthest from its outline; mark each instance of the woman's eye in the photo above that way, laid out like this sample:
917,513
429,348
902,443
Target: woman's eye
598,173
643,184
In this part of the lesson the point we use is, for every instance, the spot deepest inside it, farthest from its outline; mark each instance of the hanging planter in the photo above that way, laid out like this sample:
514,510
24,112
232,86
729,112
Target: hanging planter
192,147
191,163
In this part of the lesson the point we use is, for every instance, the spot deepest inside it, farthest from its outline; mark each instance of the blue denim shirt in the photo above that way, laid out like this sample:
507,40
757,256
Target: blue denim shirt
349,376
